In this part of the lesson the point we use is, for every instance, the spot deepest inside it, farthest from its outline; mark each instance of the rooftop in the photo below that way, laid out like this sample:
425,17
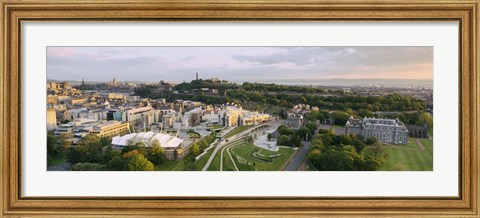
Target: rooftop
166,141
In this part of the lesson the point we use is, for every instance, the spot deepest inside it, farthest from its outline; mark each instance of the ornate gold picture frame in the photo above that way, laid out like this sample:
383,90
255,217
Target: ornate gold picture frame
14,13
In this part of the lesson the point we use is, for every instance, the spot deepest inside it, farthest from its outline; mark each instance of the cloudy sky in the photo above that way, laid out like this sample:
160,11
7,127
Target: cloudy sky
238,64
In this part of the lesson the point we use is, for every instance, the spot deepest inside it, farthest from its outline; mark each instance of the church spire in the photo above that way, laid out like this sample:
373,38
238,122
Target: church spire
83,86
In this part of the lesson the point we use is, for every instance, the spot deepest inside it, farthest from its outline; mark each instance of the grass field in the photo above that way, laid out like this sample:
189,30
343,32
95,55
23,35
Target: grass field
259,158
215,165
237,130
409,157
227,162
171,165
203,160
167,165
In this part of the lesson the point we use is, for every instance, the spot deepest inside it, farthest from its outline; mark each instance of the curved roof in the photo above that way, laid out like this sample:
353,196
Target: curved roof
166,141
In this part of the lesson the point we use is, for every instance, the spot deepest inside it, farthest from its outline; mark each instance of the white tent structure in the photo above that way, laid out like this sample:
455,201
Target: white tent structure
166,141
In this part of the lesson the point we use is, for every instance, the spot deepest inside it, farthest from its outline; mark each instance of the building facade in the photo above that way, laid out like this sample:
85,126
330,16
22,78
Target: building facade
294,121
384,130
142,115
231,116
51,119
110,129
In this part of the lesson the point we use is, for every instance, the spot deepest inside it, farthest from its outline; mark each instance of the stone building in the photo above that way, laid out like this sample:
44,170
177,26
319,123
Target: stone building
418,131
385,130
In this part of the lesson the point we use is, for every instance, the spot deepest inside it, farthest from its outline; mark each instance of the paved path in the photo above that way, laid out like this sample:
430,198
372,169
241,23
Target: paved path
303,166
420,145
297,160
231,158
210,159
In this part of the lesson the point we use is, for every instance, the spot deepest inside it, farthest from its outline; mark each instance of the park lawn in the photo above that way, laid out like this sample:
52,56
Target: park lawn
237,130
411,144
227,162
245,150
167,165
428,144
200,163
171,165
215,165
181,166
410,157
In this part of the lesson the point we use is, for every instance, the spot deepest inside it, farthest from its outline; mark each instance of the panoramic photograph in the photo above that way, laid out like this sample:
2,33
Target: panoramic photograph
321,108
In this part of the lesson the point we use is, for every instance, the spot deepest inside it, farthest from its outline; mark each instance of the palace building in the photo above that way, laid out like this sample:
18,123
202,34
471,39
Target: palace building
385,130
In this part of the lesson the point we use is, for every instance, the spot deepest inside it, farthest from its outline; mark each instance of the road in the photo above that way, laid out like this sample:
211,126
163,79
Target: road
297,160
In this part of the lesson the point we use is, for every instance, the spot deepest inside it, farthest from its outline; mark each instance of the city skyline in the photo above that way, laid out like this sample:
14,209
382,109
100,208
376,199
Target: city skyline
238,64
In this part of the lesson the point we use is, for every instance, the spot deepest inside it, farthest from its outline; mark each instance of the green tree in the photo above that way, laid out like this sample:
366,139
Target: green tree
269,136
284,130
349,111
313,116
195,149
313,153
425,118
104,141
317,142
364,113
376,151
109,153
323,131
155,155
371,140
283,140
117,163
89,150
370,164
138,162
331,132
347,139
304,132
312,127
91,140
295,141
340,118
333,160
52,145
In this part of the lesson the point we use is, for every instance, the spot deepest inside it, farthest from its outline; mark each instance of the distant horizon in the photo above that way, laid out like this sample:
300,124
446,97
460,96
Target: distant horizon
399,83
178,64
